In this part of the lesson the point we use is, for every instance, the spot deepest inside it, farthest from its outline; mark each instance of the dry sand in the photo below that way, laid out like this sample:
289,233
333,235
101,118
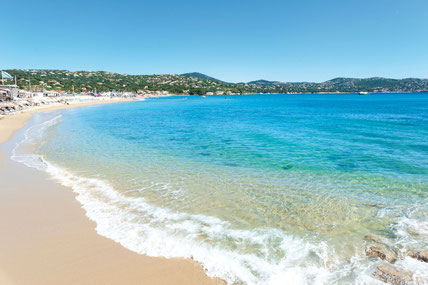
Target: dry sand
45,237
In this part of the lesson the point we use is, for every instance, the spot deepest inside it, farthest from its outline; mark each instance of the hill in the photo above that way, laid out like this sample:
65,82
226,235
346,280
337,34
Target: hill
263,82
200,76
341,84
197,83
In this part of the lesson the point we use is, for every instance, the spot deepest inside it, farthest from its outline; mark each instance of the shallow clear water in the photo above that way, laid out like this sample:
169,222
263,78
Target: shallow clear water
263,189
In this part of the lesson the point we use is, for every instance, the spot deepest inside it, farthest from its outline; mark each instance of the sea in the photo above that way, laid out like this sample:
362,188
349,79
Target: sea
258,189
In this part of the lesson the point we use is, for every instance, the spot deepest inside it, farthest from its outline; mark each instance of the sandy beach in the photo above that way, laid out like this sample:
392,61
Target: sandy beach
45,237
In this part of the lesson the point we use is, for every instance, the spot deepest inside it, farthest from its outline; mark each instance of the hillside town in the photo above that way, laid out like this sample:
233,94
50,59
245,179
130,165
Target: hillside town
113,84
21,89
14,98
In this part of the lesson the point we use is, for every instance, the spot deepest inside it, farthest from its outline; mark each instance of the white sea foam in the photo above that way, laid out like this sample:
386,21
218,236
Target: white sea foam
32,135
258,256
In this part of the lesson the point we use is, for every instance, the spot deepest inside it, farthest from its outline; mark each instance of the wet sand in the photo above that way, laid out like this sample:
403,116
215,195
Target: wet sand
45,237
11,123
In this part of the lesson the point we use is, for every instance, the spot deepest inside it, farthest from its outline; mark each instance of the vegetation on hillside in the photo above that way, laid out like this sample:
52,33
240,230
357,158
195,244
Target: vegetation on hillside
197,84
200,76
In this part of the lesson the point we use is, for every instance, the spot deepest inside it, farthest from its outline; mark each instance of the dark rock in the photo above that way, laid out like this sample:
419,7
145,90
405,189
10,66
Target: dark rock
382,252
420,255
393,275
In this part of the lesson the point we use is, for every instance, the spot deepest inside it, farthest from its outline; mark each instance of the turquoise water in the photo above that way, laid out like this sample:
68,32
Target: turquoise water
262,189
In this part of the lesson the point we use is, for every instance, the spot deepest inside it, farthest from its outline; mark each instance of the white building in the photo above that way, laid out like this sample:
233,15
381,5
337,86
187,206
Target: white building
25,94
9,91
51,93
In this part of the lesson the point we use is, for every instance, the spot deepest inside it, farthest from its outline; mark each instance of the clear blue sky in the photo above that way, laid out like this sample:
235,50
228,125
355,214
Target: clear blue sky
312,40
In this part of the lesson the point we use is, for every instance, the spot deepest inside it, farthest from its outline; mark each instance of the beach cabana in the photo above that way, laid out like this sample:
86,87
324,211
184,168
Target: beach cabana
5,94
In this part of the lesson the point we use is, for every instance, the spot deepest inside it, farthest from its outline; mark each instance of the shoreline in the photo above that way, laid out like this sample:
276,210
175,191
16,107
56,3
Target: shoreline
11,123
47,238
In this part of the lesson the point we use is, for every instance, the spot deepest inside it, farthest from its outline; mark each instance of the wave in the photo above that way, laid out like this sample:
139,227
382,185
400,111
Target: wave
257,256
32,135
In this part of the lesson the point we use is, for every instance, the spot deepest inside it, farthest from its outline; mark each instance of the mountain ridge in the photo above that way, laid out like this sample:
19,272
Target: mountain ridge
196,83
201,76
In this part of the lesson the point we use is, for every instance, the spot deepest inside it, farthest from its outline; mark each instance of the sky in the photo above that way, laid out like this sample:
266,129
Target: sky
235,41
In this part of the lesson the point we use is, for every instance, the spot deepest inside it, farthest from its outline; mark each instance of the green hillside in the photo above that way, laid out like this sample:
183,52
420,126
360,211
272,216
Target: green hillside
200,76
197,83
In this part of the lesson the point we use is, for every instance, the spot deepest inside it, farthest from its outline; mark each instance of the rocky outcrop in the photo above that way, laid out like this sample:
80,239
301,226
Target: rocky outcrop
10,108
17,105
420,255
381,251
393,275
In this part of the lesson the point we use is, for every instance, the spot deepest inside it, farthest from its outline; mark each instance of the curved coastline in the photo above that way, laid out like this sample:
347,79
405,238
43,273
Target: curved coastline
93,253
49,239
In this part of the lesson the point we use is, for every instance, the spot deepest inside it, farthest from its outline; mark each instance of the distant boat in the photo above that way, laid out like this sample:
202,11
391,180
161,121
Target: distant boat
363,93
203,96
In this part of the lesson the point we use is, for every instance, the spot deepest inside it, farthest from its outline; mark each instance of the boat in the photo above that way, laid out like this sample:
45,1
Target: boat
363,93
